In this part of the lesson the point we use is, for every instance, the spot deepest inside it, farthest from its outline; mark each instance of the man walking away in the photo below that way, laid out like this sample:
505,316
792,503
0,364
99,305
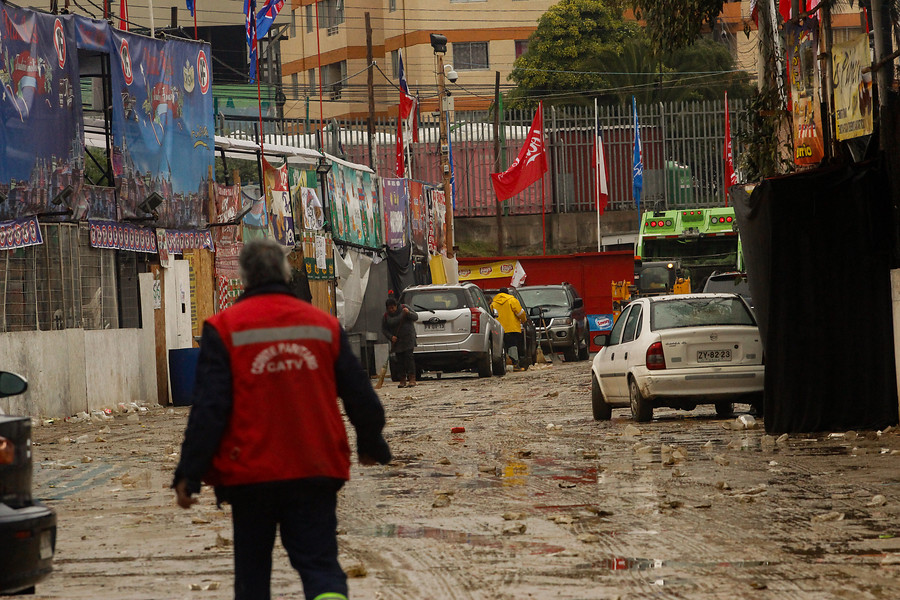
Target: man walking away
397,326
511,316
265,428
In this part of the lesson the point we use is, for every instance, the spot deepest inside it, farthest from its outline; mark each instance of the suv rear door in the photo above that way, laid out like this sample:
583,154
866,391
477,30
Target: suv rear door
444,314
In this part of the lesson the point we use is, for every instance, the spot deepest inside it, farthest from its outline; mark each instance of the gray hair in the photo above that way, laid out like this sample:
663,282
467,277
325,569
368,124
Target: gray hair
262,262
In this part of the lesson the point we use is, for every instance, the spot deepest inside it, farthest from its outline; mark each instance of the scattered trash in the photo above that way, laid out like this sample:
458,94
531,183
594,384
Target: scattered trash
702,505
441,501
222,542
888,429
514,529
563,519
676,472
722,485
588,455
758,585
198,520
566,484
674,504
458,430
721,460
877,500
443,461
513,516
679,454
487,469
891,559
829,516
850,435
551,394
782,439
767,441
588,538
86,459
213,585
772,463
196,587
631,431
745,422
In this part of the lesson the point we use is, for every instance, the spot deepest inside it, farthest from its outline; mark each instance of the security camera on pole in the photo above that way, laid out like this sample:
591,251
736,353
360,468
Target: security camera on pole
439,44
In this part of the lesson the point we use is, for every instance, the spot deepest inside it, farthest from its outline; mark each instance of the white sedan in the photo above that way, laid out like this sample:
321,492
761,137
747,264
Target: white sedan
679,351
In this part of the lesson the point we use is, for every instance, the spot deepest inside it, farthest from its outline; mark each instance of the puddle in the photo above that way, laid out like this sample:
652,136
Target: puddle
451,536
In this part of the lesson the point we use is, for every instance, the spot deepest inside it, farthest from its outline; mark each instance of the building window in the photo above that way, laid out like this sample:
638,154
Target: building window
469,56
293,22
310,18
331,13
395,63
311,80
521,47
295,84
392,5
333,77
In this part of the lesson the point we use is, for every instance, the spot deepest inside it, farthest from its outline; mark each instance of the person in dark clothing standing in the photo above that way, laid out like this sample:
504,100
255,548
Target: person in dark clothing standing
266,431
397,325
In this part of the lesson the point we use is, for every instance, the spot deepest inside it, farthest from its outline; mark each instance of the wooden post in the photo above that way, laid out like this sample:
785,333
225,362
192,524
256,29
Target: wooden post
501,251
370,82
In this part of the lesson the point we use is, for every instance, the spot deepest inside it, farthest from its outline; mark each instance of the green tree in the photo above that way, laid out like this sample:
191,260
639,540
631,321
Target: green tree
674,24
560,62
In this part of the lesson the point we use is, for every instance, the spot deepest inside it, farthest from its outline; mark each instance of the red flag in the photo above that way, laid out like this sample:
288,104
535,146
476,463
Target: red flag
401,166
529,166
728,154
602,179
123,16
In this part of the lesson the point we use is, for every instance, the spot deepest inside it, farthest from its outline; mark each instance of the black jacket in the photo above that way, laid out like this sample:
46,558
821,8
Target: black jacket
401,325
211,408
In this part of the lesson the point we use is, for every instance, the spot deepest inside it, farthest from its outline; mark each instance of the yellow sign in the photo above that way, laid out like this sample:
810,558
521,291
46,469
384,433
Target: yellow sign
852,88
494,270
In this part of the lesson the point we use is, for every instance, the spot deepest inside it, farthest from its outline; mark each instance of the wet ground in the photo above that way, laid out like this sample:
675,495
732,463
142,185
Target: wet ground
533,499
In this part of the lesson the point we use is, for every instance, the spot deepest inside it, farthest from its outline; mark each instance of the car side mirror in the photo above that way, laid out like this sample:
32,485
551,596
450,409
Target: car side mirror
495,313
11,384
534,311
601,339
579,303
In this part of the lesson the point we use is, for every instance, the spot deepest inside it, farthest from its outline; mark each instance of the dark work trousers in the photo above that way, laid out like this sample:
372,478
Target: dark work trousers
515,339
406,364
308,521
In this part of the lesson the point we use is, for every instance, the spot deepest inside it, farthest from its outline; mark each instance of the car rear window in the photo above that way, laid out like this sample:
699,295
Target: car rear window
735,284
693,312
435,299
545,297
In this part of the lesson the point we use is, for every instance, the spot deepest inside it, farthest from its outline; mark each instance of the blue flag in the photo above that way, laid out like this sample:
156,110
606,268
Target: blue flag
266,17
190,6
637,171
250,26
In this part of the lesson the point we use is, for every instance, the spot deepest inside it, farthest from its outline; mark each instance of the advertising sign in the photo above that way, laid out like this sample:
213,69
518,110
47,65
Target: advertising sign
802,54
852,88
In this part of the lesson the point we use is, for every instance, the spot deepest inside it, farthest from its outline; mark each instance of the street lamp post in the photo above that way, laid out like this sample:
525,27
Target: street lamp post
439,44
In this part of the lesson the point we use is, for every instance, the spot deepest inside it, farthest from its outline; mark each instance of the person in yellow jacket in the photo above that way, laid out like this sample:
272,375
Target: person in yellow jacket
511,316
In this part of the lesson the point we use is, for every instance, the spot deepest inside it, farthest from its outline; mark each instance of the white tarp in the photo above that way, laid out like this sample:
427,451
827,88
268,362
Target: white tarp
352,273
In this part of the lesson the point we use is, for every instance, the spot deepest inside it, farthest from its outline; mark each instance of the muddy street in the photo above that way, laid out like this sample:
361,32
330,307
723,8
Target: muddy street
504,488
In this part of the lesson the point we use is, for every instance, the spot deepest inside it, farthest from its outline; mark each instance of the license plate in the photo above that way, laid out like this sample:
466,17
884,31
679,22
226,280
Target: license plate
713,355
434,326
46,545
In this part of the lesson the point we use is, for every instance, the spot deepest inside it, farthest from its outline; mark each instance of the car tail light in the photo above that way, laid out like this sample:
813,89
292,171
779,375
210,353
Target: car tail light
655,358
7,451
475,323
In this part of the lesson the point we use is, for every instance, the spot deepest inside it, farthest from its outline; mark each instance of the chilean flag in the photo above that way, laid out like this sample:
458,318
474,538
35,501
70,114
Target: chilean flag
407,112
250,27
266,17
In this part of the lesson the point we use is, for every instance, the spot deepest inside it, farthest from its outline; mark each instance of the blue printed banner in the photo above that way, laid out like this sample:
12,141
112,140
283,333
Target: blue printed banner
20,233
395,198
600,322
41,145
122,236
179,241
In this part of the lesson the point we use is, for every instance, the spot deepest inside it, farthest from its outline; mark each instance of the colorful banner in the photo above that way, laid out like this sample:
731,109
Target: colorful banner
228,206
256,222
802,54
437,218
600,322
852,88
305,197
278,203
162,124
122,236
196,239
41,143
395,197
354,207
20,233
494,270
418,218
228,281
319,263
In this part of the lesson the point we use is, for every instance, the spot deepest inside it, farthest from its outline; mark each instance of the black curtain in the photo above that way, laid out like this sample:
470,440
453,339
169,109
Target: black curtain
421,270
817,252
400,269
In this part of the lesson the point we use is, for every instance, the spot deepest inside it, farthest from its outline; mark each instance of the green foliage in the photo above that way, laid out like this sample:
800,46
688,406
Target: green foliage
563,50
763,154
674,24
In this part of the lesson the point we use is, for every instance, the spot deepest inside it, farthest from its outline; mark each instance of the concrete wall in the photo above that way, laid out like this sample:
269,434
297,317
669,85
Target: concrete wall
566,233
74,370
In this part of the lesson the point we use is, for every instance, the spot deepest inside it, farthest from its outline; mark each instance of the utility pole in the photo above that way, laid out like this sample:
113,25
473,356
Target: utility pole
500,246
370,82
439,44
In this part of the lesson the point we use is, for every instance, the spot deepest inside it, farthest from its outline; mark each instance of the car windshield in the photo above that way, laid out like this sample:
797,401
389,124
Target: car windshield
545,297
435,299
697,312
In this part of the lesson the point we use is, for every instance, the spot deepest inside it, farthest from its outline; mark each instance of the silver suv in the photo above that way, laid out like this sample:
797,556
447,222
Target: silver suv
456,330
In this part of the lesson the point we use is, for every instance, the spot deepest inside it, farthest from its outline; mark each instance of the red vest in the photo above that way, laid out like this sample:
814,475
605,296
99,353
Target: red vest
285,422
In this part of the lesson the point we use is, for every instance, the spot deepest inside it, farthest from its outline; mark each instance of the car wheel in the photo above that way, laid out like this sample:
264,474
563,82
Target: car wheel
602,410
500,364
724,409
571,353
583,353
486,362
641,409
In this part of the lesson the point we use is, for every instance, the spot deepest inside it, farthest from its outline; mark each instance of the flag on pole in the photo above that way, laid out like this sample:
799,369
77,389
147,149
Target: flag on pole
123,16
250,27
400,163
450,157
728,154
408,103
529,166
190,6
637,170
600,166
266,17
